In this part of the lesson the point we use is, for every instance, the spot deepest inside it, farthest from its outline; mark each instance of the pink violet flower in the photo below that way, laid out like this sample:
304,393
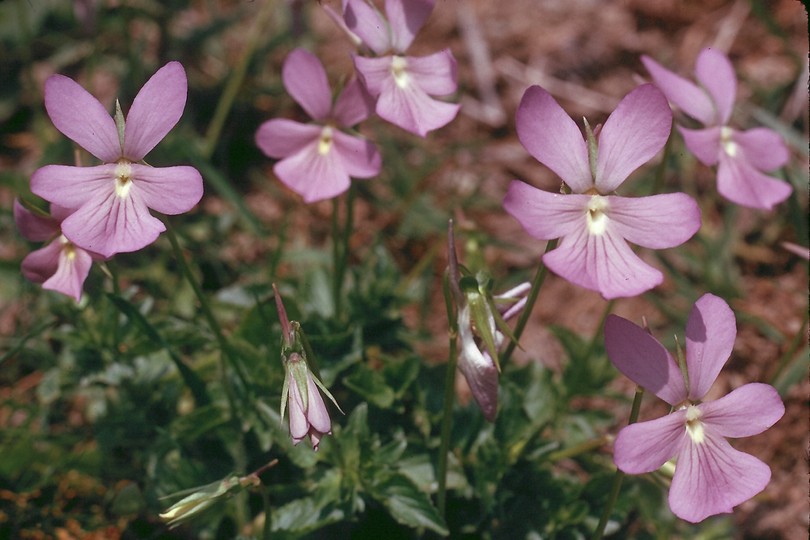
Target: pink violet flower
60,265
742,157
594,224
318,159
112,201
403,84
477,329
710,477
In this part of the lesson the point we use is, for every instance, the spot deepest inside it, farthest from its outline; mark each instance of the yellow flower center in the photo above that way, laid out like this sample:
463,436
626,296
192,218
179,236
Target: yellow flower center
729,146
398,69
596,218
325,142
694,427
67,248
123,178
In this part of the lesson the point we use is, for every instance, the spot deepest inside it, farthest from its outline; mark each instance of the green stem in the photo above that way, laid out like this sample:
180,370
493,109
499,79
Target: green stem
790,353
111,268
449,398
340,246
226,357
539,278
578,449
599,329
619,476
228,95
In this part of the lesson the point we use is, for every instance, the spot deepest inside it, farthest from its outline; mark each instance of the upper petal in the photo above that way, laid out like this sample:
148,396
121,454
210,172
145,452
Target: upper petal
602,262
360,157
712,478
747,410
645,446
155,110
643,360
687,96
710,334
368,24
435,73
632,135
279,137
34,227
81,117
545,215
741,183
657,221
169,190
110,223
703,143
305,79
72,270
406,18
353,105
715,72
763,148
553,139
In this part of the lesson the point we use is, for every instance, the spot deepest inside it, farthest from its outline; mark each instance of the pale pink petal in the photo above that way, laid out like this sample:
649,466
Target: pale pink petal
710,334
763,148
169,190
406,18
435,73
367,23
74,266
41,264
602,262
360,157
643,360
279,138
317,415
299,425
338,20
305,79
155,110
545,215
687,96
632,135
657,221
81,117
478,369
353,105
645,446
712,478
703,143
553,139
315,438
375,72
741,183
313,175
747,410
110,224
715,72
409,107
72,187
34,227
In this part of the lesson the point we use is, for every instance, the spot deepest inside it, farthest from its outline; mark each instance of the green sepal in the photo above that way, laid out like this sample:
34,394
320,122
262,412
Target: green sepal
481,315
681,358
120,125
320,385
298,370
199,500
593,150
500,323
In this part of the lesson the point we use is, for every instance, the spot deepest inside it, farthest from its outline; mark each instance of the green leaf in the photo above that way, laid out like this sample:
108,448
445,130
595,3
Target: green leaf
371,386
408,505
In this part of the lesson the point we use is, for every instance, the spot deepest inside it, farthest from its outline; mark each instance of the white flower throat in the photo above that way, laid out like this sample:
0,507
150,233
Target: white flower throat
325,142
596,218
398,69
123,178
694,427
729,146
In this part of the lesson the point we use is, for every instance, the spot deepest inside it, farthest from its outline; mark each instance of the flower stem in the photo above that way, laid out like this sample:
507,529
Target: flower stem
228,95
619,476
599,329
340,247
449,398
539,278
